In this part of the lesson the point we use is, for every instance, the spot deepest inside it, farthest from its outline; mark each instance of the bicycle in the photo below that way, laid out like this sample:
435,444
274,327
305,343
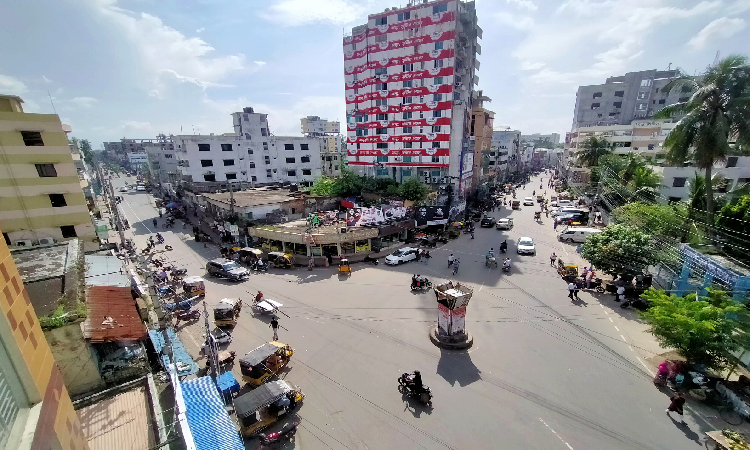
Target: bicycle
726,410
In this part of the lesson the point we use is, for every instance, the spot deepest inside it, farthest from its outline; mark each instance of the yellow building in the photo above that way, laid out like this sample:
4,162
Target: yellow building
41,200
480,133
35,408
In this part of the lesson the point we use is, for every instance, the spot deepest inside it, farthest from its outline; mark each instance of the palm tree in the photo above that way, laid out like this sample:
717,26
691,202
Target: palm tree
592,149
718,109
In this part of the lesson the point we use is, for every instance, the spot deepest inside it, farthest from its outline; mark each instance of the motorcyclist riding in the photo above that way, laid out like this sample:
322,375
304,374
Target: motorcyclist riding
506,263
154,221
416,381
504,246
159,238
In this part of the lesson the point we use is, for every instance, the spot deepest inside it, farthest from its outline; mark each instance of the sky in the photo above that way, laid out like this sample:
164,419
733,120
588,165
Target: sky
136,68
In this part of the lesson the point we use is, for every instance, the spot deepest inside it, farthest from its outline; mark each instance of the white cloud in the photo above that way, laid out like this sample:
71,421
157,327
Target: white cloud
738,7
260,63
46,80
200,30
154,93
11,86
300,12
721,28
584,8
515,21
166,51
135,125
524,4
83,102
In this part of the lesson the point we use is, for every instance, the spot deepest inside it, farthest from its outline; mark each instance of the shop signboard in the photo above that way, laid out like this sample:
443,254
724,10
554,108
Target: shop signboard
430,215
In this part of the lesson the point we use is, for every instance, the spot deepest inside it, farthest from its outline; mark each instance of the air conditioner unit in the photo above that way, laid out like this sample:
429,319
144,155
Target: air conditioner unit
22,243
435,180
46,241
425,173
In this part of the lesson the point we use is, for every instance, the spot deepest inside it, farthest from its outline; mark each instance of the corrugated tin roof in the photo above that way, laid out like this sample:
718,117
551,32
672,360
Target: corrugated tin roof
112,315
211,426
120,422
105,271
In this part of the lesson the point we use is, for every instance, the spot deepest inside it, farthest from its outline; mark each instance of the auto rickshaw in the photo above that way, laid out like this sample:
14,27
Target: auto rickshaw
227,312
264,362
249,255
516,204
194,286
344,267
261,407
281,260
569,272
539,198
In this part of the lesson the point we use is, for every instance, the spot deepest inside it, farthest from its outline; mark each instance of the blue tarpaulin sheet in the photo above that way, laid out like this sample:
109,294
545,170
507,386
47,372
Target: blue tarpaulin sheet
208,420
228,384
183,361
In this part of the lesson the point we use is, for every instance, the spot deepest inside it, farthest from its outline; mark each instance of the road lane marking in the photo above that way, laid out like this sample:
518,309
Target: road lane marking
555,433
631,349
645,366
610,319
623,338
618,330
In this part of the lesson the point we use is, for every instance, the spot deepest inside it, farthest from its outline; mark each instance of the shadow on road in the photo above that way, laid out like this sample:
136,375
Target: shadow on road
456,366
414,406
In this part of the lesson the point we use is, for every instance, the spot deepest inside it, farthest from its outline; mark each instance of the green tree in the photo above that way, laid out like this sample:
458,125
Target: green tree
323,186
717,109
87,152
620,250
592,149
703,331
657,220
414,190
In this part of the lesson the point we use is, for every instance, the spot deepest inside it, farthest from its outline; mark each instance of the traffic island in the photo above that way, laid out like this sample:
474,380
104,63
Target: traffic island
455,342
450,332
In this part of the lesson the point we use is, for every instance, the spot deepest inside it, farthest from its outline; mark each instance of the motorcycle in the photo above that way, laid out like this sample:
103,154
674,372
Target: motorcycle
420,283
159,238
286,433
188,316
371,260
168,224
177,272
259,266
405,386
506,267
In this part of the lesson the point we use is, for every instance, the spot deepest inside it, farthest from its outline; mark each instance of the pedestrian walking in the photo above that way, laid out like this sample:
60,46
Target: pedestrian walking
620,293
154,222
598,217
585,272
571,291
419,255
552,259
275,327
590,279
455,266
676,406
451,258
554,227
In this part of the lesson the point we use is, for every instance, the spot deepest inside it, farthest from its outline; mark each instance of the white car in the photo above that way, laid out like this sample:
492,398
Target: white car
124,189
504,224
561,203
140,188
526,246
528,201
566,210
401,256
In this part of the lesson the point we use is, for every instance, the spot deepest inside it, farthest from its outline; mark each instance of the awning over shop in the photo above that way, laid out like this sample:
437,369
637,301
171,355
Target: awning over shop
185,364
209,422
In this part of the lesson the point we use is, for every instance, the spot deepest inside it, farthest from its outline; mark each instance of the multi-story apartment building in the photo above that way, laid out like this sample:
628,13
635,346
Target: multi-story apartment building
410,78
505,150
250,155
35,408
41,199
329,132
554,138
162,162
620,100
480,132
643,137
676,181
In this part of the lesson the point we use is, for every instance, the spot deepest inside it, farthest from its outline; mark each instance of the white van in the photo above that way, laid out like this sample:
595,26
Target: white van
577,234
561,203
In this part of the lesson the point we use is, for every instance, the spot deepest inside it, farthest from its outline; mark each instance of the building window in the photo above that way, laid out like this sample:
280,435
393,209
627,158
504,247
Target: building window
304,146
436,144
306,172
642,106
438,80
437,97
252,165
595,105
381,117
291,160
381,71
437,113
207,163
439,45
382,131
642,95
381,86
381,21
407,67
253,178
440,8
265,146
381,38
209,177
407,158
436,159
619,93
679,182
617,104
264,131
381,102
267,160
231,176
597,94
407,144
382,172
32,138
732,161
438,63
407,84
57,200
204,147
335,167
226,147
382,158
305,159
645,83
46,170
381,145
268,173
406,130
249,151
662,101
436,129
407,115
168,156
68,231
408,100
291,173
404,16
228,162
674,199
288,146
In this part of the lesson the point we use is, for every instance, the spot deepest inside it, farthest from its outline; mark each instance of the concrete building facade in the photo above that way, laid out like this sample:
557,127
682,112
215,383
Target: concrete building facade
41,199
332,145
554,138
505,150
162,160
36,412
482,121
620,100
410,76
676,180
251,155
643,137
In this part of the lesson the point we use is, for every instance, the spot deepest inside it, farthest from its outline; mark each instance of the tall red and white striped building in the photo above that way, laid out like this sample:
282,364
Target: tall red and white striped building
410,77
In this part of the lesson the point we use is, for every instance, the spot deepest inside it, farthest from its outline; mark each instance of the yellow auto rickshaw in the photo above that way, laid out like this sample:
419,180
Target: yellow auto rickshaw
540,198
344,267
264,362
249,255
568,272
261,407
516,204
281,260
194,286
227,312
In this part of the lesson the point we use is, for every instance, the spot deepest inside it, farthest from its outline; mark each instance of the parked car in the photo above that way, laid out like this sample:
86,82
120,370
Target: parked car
504,224
526,246
124,189
225,268
221,337
401,256
528,201
561,203
476,216
140,188
488,222
581,218
577,234
567,210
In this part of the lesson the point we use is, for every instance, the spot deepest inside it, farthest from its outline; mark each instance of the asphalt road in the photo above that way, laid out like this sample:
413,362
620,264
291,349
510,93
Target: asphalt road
544,373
